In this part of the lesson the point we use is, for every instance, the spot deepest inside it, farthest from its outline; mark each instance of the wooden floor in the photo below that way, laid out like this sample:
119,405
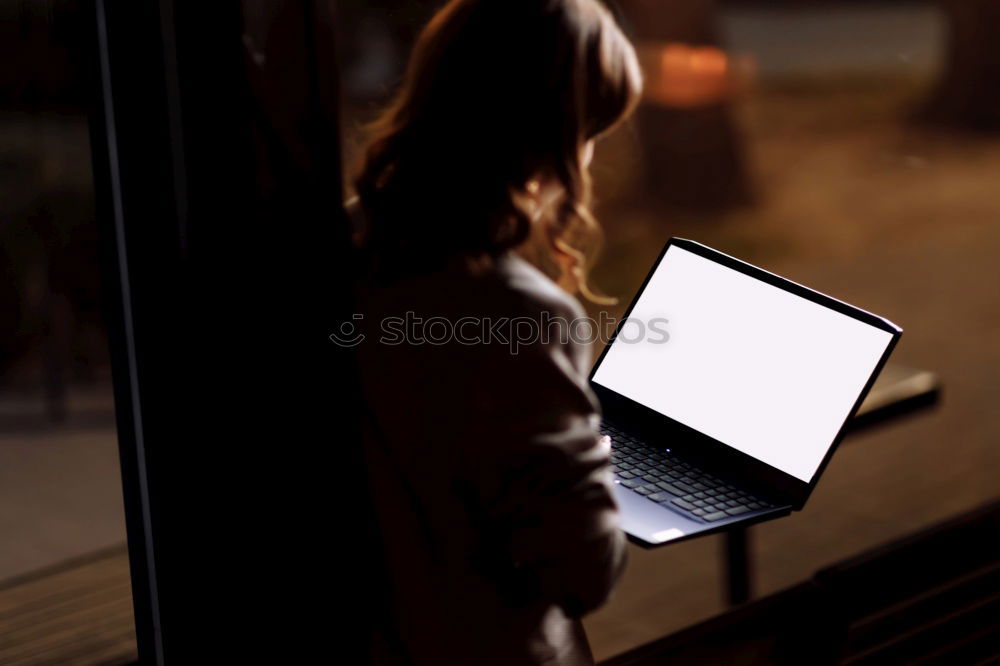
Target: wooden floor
79,612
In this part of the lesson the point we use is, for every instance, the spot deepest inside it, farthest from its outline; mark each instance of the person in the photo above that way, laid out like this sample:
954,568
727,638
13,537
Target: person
490,484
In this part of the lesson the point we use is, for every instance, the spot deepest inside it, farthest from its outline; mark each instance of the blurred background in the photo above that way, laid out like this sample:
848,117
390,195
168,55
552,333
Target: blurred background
853,146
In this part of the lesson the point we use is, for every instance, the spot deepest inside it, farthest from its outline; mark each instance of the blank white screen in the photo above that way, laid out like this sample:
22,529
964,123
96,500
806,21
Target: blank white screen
755,367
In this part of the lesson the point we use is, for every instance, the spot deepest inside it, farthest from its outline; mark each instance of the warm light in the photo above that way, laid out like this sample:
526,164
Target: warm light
708,62
681,75
675,57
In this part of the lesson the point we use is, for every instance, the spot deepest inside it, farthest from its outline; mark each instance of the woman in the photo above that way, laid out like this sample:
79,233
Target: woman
493,507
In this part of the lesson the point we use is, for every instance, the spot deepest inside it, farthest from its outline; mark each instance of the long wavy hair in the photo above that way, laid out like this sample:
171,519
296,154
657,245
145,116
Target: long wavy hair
498,94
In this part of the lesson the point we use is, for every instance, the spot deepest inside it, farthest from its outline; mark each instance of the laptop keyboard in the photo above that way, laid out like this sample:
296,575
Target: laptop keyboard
680,486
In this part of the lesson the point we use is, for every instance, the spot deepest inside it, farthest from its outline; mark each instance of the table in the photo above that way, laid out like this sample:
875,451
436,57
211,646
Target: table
898,392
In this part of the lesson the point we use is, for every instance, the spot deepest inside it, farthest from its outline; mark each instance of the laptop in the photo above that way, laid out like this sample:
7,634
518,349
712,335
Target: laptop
725,391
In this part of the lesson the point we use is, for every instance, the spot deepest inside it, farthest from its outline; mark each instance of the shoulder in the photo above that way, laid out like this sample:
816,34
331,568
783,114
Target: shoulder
505,308
507,286
535,291
547,308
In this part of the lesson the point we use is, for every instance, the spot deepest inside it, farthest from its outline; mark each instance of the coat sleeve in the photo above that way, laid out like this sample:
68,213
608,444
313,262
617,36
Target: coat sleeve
545,479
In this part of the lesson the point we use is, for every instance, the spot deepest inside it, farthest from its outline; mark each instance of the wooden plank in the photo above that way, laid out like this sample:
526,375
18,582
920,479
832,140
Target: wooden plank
79,612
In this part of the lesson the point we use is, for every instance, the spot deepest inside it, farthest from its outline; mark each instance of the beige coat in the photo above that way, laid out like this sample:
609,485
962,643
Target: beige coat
490,485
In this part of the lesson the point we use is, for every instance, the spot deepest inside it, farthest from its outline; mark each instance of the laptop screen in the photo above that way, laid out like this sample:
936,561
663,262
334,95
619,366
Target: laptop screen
753,366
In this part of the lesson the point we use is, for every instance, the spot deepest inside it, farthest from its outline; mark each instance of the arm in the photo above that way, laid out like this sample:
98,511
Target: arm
565,536
548,484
